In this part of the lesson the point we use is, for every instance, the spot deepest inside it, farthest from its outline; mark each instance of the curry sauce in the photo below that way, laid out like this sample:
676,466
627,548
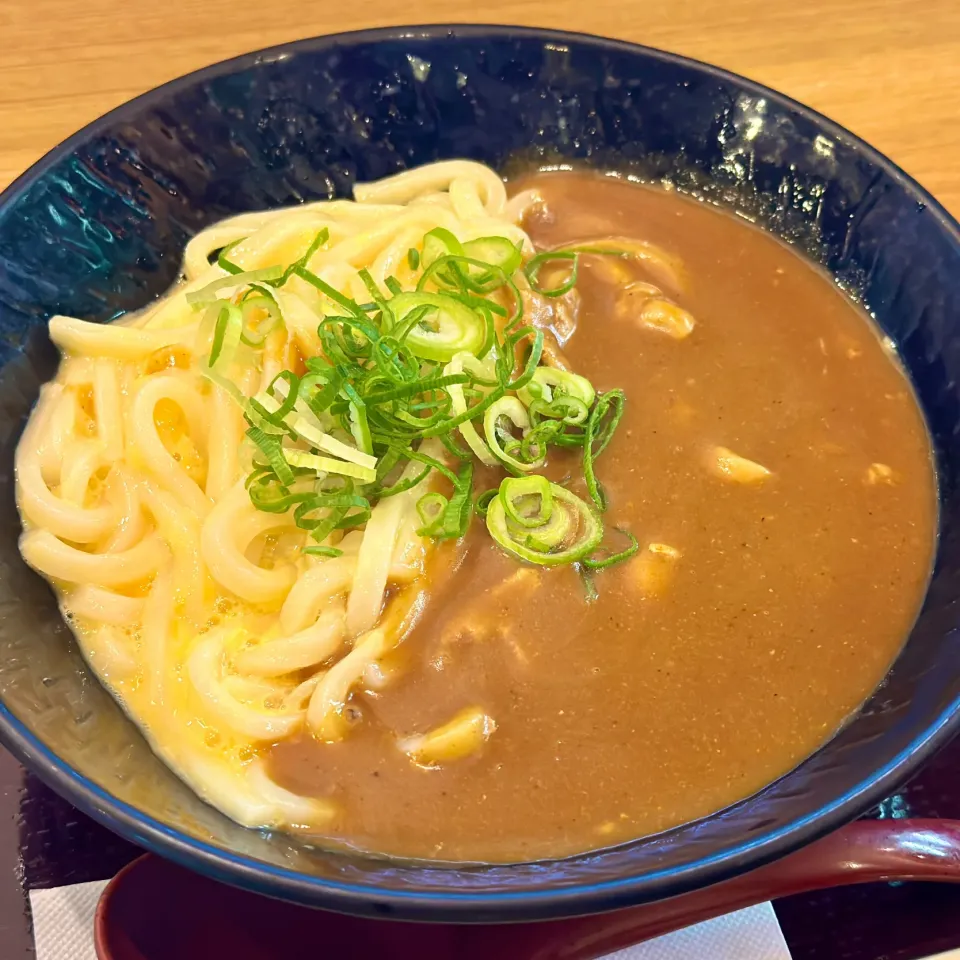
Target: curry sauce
775,468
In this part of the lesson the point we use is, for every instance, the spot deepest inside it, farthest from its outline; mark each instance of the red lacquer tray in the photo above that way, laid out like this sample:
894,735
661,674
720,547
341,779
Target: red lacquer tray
44,842
154,910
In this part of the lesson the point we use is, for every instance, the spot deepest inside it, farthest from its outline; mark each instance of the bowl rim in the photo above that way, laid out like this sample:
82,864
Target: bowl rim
365,899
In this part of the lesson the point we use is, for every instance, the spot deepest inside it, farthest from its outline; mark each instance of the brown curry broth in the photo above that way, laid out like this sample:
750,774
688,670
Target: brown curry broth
791,598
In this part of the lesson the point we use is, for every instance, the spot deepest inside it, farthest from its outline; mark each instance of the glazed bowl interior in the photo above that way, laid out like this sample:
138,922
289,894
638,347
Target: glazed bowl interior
97,228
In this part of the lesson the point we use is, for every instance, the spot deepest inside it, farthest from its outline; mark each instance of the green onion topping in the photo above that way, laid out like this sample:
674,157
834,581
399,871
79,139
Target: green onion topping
450,359
542,522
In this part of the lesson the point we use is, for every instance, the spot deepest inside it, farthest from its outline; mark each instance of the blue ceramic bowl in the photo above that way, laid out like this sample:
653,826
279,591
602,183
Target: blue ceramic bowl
97,228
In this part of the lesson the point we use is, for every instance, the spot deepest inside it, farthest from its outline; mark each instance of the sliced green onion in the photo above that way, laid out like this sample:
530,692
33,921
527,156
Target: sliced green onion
450,443
226,264
226,336
462,274
257,298
318,241
319,388
270,447
402,485
312,461
438,243
583,527
498,438
495,251
430,509
443,518
483,501
268,407
326,512
206,294
446,328
606,417
601,424
372,288
267,493
568,410
530,503
536,352
264,417
322,441
612,558
330,292
421,387
315,550
569,254
547,382
536,264
458,364
360,426
436,361
589,586
587,248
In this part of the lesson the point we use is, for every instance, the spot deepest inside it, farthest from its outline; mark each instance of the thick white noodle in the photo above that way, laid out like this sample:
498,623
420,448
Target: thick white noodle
110,340
107,406
178,390
155,637
181,530
52,424
325,712
223,443
199,611
433,178
227,532
313,590
310,646
205,666
61,517
104,606
56,559
123,489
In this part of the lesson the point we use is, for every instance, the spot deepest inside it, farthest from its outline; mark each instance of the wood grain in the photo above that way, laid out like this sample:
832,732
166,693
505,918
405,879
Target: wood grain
887,69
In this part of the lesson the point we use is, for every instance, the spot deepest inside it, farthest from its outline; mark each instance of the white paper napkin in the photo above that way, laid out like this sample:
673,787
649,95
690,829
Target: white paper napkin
751,934
63,920
63,930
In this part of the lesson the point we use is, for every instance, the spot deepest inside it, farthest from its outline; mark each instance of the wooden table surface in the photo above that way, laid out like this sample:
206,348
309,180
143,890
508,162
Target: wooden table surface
887,69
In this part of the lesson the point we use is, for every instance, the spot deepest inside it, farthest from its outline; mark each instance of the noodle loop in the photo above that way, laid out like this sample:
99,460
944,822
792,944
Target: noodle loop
226,610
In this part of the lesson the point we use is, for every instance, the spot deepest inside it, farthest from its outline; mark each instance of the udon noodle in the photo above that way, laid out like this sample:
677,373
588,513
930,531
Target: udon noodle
201,613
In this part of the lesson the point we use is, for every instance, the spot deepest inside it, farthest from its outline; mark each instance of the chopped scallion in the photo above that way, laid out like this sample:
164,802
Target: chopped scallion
451,359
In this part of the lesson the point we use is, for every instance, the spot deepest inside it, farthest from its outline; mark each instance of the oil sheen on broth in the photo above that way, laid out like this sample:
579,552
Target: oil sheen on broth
760,612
